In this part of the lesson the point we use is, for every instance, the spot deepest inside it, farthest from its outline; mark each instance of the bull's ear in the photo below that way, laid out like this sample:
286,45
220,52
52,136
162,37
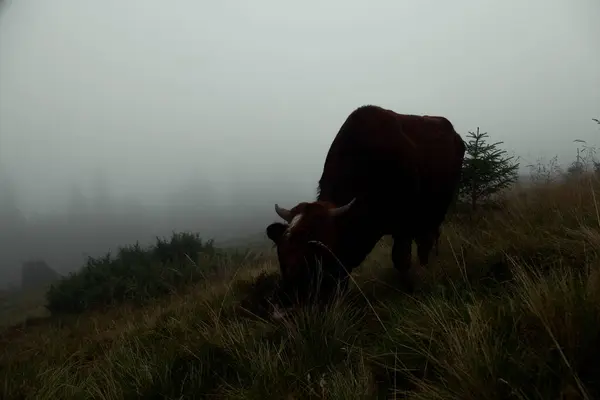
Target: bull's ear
275,231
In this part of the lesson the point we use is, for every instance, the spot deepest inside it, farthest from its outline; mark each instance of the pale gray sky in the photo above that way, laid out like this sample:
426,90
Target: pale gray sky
153,91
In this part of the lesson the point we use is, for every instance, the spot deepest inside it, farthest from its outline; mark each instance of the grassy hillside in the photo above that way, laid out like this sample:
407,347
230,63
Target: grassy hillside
509,309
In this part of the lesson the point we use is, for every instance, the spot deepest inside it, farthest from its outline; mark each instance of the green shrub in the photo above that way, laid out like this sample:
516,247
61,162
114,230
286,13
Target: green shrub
135,275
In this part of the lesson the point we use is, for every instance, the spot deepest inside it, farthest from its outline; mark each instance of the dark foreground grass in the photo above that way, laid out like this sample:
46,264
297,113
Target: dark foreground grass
509,310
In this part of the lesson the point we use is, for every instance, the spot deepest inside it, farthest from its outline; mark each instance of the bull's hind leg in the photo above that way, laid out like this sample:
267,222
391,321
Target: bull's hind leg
401,257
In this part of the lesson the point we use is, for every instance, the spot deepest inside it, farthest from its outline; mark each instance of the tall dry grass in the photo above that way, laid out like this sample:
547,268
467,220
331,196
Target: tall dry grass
510,309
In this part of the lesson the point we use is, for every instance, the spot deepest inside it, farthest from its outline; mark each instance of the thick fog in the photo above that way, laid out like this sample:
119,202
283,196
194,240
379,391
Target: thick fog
122,120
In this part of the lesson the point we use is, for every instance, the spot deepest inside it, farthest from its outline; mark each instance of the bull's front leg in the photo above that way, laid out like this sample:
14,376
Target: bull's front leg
401,257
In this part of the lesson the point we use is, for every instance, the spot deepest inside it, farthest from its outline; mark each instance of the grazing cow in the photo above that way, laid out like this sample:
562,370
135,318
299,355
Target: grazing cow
385,174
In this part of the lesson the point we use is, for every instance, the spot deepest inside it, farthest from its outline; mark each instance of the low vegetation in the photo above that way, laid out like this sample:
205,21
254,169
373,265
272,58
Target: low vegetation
509,309
135,274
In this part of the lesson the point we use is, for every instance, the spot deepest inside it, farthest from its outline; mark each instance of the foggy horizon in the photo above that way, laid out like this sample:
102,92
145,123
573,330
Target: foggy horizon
202,117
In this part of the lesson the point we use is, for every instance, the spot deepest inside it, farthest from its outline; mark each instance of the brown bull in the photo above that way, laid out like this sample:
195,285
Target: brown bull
385,174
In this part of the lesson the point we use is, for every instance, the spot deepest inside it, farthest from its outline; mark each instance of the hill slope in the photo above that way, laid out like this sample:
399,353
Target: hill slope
510,309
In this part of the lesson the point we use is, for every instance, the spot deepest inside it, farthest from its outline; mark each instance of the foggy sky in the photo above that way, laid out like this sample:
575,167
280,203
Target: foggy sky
151,92
141,117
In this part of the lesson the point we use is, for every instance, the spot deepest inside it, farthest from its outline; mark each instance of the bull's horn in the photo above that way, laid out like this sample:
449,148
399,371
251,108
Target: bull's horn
283,213
335,212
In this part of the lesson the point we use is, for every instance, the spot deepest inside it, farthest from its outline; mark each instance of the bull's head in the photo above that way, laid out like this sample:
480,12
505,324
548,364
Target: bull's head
306,243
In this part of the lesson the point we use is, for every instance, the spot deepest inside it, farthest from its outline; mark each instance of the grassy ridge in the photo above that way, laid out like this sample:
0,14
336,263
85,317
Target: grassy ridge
510,309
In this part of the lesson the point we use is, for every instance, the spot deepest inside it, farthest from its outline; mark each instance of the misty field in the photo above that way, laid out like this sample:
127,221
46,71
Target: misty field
509,309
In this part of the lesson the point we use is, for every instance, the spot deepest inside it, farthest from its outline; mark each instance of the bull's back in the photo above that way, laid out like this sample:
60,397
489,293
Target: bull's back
381,141
378,153
439,149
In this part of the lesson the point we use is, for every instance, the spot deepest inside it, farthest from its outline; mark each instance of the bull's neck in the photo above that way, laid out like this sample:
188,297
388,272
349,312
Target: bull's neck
355,239
326,195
